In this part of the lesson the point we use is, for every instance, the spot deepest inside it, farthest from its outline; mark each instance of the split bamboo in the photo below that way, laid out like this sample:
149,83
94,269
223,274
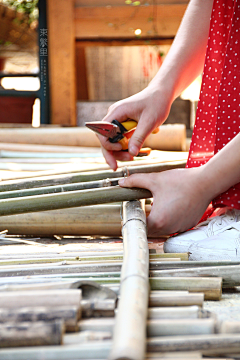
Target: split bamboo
129,340
68,178
194,265
70,199
211,287
229,274
31,334
68,314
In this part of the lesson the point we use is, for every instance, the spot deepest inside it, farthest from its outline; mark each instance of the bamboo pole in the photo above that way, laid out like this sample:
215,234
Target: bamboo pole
211,287
69,178
229,274
70,199
102,220
176,299
180,312
68,314
58,297
31,334
157,327
91,350
229,327
8,146
170,137
217,344
100,350
130,326
59,188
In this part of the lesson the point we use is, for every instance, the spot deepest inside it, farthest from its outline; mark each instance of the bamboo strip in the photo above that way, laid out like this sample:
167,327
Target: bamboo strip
230,274
68,314
69,178
31,334
81,258
70,199
130,325
211,287
198,264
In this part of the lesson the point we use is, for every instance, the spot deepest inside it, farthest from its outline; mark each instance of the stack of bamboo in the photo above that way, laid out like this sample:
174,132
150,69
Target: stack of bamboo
61,302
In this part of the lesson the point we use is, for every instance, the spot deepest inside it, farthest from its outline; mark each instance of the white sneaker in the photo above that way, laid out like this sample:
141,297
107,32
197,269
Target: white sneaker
225,226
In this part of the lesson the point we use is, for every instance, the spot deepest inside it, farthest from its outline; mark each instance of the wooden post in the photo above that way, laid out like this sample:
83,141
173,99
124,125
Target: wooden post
129,340
61,41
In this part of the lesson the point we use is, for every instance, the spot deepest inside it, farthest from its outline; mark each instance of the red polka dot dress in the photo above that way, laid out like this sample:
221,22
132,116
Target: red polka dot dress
218,113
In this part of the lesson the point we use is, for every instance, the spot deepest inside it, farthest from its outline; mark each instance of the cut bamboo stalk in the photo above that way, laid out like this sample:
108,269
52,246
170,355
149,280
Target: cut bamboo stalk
157,327
31,334
211,287
69,178
129,339
181,312
192,355
70,199
229,274
174,299
13,299
217,344
230,327
68,314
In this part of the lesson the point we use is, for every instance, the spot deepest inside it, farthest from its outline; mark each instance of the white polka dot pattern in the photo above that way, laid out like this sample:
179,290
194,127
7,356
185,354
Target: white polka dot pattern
218,113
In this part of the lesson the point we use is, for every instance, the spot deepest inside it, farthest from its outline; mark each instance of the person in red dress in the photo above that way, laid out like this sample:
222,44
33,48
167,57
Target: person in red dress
207,41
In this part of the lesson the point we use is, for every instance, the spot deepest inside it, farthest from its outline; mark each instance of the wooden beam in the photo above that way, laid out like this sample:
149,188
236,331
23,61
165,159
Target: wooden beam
121,21
80,43
61,40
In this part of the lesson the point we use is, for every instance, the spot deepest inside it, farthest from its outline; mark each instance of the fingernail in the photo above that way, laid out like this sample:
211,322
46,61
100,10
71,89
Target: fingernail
121,182
133,150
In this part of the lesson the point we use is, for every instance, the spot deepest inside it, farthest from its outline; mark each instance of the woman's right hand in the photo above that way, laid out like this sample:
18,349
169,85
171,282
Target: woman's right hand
149,108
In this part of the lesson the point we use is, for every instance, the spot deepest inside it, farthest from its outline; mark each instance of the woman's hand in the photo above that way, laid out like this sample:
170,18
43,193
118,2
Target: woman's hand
180,198
149,108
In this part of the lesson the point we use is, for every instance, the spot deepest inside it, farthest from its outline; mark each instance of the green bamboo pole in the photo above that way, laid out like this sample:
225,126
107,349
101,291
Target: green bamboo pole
36,182
70,199
59,188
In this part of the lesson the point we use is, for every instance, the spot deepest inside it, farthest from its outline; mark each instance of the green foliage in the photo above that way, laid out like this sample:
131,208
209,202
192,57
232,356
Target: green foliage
28,7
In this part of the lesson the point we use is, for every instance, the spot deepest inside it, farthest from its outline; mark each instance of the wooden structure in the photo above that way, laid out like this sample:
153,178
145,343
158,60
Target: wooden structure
75,24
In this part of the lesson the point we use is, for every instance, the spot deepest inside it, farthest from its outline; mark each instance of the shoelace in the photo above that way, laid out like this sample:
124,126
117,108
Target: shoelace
229,217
